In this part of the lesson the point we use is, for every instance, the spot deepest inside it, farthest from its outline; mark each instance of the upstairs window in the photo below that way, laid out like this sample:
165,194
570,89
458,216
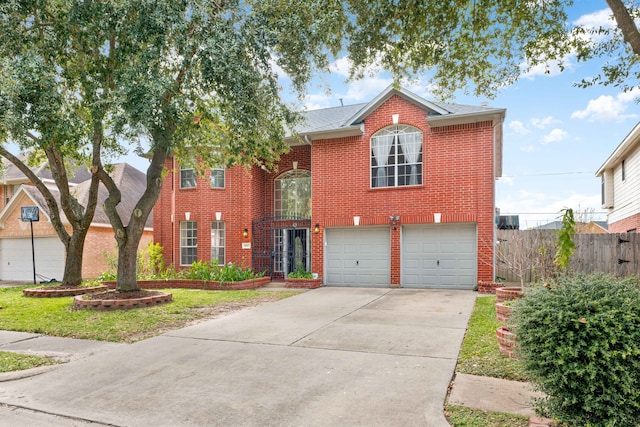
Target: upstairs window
292,194
217,178
396,157
187,178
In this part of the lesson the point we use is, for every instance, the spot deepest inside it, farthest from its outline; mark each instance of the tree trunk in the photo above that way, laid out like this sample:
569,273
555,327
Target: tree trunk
73,260
127,263
128,237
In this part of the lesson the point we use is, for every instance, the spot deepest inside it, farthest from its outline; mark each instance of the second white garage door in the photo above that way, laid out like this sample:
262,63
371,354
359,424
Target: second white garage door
358,256
439,256
16,261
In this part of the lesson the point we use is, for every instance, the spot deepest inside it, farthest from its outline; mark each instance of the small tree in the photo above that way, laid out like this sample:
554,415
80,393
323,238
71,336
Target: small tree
566,246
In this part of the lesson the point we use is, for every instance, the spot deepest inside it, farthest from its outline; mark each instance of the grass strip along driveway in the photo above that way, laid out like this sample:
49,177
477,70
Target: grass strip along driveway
57,317
479,355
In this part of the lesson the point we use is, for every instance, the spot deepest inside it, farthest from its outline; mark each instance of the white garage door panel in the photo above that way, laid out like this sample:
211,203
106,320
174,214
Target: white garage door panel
358,257
439,256
16,262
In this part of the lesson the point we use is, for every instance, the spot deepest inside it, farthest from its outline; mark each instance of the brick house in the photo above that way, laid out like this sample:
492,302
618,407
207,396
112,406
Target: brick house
16,261
395,192
620,178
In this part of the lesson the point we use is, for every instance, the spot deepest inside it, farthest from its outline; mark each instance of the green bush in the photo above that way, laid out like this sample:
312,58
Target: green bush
300,272
202,270
580,343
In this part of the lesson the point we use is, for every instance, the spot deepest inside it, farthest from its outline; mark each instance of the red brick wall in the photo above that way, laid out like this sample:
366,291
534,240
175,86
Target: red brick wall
458,182
101,241
624,225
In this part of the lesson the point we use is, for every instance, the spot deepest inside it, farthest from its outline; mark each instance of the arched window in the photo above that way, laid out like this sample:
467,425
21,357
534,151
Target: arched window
396,157
292,194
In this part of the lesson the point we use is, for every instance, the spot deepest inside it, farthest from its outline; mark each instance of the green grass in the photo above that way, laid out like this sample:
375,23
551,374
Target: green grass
10,361
459,416
479,354
57,317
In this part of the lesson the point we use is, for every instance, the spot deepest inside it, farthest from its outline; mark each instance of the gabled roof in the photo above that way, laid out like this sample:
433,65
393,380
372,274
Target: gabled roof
629,144
13,175
131,182
346,120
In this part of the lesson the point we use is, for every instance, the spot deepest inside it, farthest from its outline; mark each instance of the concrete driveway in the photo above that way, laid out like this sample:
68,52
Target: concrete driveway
327,357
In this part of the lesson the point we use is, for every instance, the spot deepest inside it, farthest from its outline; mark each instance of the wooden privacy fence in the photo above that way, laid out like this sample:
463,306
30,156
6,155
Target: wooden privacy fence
530,253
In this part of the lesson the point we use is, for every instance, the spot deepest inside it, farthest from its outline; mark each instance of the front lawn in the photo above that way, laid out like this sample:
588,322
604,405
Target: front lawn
57,317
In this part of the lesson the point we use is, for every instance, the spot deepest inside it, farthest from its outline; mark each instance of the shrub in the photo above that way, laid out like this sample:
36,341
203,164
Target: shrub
300,272
580,342
202,270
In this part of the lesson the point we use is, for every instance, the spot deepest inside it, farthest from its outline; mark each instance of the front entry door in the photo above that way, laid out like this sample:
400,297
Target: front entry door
296,250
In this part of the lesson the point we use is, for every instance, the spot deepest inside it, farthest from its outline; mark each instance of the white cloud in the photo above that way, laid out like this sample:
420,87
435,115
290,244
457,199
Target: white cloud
548,68
556,135
341,66
601,18
544,122
518,127
607,108
527,148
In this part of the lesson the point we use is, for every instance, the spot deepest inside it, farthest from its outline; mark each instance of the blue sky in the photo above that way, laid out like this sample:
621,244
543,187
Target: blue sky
556,135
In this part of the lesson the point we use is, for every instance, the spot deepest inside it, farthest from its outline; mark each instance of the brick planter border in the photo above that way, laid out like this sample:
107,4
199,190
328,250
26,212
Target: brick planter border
506,341
291,282
508,293
198,284
487,287
503,312
62,292
121,304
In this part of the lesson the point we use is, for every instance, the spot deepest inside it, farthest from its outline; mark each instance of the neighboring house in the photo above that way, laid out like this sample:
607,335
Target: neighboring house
591,227
16,261
395,192
620,175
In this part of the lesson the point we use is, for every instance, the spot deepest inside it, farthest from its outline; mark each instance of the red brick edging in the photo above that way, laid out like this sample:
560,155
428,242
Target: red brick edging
62,292
506,341
291,282
503,312
121,304
486,287
508,293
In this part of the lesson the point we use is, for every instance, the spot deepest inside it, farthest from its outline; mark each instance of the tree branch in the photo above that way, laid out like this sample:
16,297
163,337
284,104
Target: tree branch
626,24
54,211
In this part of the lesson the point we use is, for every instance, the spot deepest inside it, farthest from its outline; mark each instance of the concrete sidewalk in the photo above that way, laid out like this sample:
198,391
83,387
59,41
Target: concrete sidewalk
327,357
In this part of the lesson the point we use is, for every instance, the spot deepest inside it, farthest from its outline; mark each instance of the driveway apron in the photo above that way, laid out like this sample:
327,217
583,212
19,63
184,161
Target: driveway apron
327,357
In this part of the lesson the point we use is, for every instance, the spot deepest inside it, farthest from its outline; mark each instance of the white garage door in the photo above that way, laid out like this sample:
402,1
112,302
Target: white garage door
358,257
439,256
16,261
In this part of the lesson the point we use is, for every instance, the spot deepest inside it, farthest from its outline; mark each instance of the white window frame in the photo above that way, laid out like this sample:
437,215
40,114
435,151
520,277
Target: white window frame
187,181
219,181
392,161
218,241
188,242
